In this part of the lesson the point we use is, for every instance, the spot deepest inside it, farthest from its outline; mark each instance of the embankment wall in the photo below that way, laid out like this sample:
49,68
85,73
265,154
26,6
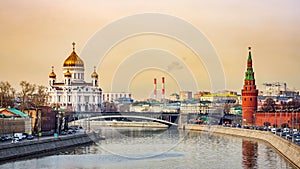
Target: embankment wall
33,147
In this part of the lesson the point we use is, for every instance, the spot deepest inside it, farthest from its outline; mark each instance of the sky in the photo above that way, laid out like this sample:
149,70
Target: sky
36,35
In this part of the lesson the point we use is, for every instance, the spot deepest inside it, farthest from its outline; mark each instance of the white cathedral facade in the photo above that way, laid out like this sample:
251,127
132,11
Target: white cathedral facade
73,93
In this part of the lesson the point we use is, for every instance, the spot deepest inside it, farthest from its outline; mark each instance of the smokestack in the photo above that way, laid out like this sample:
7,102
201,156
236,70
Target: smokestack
155,88
163,88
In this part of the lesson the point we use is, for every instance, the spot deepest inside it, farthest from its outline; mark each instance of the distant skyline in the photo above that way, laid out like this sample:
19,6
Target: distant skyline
36,35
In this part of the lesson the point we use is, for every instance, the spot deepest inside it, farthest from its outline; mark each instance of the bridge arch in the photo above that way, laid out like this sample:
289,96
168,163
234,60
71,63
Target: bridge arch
135,117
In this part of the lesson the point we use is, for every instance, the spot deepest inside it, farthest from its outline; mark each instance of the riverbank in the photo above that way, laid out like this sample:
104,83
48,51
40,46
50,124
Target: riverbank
288,149
23,149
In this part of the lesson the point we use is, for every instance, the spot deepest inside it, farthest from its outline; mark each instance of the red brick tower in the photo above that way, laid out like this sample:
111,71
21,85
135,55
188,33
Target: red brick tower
249,95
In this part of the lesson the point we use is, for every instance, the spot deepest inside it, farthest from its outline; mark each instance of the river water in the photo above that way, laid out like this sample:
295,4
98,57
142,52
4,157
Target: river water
172,148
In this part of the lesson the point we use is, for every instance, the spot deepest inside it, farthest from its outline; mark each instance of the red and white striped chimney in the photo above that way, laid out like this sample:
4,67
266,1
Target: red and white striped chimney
155,88
163,88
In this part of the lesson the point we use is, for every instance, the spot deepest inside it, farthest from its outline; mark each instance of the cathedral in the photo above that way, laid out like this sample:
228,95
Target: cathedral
74,93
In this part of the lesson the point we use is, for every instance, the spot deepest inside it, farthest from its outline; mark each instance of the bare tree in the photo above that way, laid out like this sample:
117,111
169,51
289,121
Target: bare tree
7,94
269,105
39,97
226,108
26,93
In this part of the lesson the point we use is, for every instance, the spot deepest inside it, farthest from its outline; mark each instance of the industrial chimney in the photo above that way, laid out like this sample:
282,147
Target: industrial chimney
155,88
163,88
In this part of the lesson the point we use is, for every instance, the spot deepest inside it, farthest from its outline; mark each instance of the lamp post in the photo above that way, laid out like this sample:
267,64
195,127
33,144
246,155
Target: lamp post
13,126
293,125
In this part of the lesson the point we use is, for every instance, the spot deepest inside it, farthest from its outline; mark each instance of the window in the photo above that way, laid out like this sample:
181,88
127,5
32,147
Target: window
250,99
244,99
58,98
86,98
79,98
69,98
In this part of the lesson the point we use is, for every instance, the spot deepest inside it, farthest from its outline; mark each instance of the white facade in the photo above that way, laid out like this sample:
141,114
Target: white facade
73,93
112,96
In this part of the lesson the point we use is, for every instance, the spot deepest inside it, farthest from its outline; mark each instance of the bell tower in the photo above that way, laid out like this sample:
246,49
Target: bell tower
249,95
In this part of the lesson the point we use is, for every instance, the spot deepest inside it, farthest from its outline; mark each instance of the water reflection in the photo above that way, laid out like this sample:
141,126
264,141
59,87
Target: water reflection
128,148
249,152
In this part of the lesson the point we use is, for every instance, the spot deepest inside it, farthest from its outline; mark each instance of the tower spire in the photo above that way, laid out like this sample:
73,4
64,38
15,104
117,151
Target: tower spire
73,46
249,94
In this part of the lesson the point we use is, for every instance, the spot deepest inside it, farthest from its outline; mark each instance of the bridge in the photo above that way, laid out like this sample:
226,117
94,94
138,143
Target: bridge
132,117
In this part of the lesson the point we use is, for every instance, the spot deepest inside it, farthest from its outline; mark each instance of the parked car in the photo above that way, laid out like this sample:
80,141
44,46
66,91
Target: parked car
63,133
25,135
30,137
3,138
273,130
19,135
286,130
297,139
15,140
70,131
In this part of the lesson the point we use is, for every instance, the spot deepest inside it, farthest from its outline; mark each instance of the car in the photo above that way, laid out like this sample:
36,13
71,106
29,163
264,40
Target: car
15,140
3,138
286,130
70,131
30,137
63,133
297,139
273,130
25,135
283,134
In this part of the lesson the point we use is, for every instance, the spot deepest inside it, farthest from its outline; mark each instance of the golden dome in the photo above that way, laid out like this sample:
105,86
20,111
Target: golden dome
68,74
94,74
73,59
52,74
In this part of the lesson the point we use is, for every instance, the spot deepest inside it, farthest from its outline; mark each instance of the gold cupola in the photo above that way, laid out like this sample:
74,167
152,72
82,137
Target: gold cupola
68,74
94,74
73,59
52,74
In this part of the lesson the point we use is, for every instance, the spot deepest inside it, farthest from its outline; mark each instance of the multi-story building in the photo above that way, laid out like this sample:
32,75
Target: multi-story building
74,93
114,96
185,95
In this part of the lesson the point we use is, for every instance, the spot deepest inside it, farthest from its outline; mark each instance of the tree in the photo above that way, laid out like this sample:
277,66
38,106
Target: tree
26,93
269,105
7,95
226,108
39,97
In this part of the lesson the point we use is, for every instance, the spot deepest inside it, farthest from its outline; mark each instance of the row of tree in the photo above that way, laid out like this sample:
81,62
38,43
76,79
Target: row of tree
270,105
30,96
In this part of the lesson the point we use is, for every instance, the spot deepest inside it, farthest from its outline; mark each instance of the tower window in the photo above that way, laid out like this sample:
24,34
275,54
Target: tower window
250,99
244,99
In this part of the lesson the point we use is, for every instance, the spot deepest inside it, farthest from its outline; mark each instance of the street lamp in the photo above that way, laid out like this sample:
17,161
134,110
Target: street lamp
13,126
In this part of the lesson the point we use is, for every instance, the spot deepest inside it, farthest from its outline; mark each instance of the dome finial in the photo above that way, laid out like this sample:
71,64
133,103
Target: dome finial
73,46
94,68
249,47
52,68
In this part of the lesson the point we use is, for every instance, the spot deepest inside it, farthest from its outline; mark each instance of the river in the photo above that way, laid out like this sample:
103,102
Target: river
137,148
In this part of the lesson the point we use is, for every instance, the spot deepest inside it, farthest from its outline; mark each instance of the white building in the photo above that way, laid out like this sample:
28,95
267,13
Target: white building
73,93
113,96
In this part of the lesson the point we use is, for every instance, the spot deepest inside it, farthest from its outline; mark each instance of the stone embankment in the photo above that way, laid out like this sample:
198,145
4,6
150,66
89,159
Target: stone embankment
288,149
33,147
